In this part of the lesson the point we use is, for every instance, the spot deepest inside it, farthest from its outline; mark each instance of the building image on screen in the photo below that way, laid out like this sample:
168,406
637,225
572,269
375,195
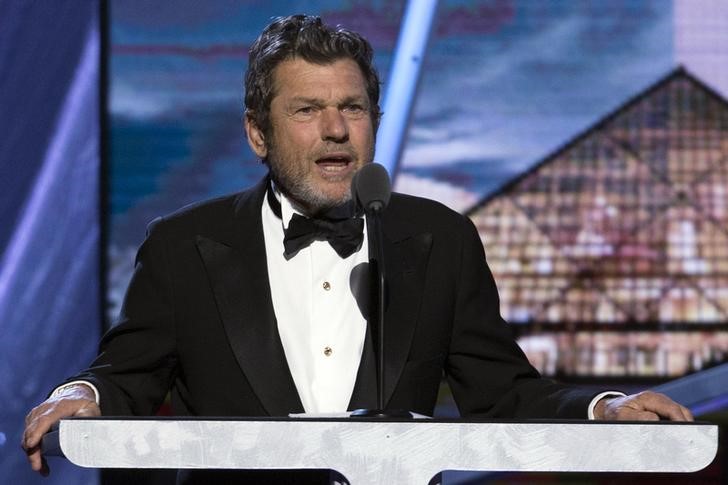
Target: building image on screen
611,256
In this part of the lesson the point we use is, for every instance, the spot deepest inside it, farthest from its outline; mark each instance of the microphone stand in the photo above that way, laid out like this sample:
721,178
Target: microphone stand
374,232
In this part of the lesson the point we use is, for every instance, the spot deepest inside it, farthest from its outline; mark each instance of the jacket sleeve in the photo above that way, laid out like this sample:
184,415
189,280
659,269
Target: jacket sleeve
136,363
488,373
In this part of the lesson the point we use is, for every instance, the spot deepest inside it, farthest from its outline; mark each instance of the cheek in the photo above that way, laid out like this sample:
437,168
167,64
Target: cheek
286,138
300,138
301,129
363,138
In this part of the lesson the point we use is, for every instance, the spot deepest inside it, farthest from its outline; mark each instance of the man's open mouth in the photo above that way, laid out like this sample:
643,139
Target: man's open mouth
334,163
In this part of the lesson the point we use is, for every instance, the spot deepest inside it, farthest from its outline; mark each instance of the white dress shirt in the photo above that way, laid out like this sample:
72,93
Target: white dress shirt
319,321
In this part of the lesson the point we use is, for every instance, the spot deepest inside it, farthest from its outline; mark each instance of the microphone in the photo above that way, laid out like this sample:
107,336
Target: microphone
371,188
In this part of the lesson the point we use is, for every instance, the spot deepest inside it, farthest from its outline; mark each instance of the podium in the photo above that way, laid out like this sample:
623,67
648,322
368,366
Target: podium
376,451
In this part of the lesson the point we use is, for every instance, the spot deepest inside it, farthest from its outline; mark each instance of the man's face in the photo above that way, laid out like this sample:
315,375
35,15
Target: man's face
321,131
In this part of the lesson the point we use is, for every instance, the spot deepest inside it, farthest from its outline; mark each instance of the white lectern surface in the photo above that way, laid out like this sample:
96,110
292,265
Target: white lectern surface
407,452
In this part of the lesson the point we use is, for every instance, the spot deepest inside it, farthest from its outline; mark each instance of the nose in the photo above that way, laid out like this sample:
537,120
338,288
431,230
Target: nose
334,126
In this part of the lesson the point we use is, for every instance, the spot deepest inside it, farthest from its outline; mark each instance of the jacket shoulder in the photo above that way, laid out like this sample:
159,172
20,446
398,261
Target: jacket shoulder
425,212
209,214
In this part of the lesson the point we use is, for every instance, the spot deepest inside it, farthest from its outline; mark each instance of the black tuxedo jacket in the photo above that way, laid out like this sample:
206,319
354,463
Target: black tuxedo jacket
198,320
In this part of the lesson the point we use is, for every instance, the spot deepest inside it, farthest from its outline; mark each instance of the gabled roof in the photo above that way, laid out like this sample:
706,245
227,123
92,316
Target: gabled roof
679,73
627,222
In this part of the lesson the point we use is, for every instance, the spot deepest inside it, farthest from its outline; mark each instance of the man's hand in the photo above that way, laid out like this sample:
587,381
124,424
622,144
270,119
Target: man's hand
645,406
76,400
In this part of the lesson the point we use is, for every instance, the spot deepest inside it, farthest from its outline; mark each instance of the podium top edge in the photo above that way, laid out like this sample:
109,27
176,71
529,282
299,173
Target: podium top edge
388,420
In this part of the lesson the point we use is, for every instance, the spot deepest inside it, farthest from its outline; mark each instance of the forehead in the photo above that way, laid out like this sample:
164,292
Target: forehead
299,78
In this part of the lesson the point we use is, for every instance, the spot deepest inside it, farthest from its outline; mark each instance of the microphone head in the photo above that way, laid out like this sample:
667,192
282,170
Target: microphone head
371,188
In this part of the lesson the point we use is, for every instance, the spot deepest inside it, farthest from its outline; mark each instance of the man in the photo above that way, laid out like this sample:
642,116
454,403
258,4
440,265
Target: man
229,313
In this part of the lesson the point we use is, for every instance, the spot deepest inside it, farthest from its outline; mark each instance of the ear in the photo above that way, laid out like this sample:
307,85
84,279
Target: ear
256,139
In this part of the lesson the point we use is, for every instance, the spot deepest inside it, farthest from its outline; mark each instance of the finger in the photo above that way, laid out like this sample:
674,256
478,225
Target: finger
664,406
30,425
35,431
685,413
34,458
25,443
672,412
629,414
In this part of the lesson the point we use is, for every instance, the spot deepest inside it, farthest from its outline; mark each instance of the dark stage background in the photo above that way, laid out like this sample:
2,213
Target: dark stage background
50,239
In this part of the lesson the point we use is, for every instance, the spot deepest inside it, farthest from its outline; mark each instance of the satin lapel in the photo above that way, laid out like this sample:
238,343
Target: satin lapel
239,278
364,395
406,264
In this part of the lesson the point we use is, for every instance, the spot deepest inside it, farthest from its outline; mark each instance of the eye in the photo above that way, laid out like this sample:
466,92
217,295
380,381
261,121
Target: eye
304,112
354,108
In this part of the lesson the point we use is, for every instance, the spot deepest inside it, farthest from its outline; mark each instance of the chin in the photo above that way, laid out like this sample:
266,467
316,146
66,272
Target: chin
329,202
334,193
319,201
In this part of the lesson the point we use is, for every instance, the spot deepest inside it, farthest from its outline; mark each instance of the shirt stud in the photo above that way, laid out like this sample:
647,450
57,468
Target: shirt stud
327,285
328,351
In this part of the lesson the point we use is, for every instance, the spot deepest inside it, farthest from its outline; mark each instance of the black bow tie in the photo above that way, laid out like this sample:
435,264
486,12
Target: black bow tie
345,235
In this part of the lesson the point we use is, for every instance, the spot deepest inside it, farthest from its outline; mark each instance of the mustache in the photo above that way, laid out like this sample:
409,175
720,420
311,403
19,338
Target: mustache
336,150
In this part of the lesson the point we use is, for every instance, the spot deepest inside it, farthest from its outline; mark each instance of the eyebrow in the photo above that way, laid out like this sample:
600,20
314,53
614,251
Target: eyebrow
320,102
306,100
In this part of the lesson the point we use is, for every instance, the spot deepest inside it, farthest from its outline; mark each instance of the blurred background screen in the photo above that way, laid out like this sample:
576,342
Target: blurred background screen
587,141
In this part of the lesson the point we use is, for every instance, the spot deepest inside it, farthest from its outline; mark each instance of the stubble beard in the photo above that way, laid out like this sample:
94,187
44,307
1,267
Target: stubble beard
298,186
296,183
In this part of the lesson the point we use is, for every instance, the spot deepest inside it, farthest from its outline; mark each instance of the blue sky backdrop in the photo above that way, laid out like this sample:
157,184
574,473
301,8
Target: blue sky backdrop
506,83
